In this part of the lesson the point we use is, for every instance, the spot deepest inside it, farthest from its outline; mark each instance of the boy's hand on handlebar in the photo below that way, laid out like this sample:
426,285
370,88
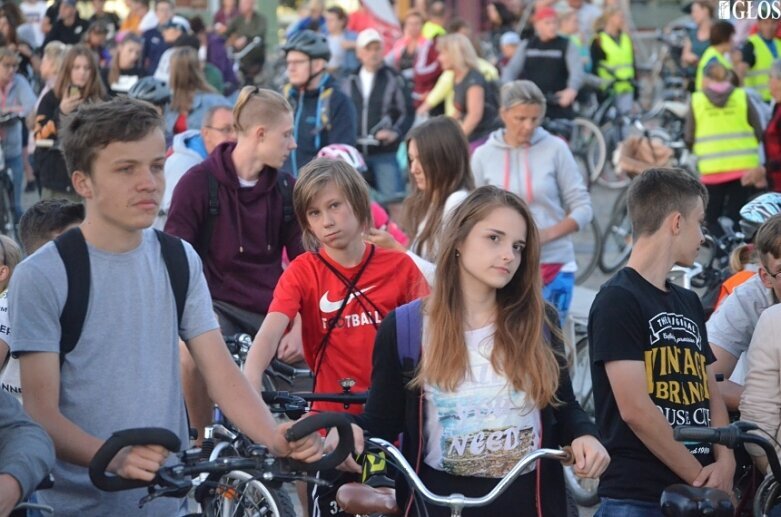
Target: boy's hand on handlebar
307,449
332,440
718,474
138,462
591,458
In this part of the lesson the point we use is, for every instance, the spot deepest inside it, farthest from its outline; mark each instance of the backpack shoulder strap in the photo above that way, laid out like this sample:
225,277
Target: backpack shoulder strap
214,210
409,337
285,186
175,258
74,254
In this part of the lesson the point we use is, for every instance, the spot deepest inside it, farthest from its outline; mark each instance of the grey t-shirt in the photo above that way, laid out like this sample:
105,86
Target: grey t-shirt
124,371
733,323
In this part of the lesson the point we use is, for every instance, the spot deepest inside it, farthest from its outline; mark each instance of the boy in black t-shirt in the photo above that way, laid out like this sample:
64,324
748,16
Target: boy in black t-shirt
651,356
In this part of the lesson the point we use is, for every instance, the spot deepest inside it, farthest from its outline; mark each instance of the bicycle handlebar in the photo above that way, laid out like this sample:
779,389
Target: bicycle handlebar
309,425
174,476
731,437
120,440
458,500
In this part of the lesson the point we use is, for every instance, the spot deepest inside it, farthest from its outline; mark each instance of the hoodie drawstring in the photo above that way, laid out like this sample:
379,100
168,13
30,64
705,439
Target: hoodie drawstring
528,174
238,219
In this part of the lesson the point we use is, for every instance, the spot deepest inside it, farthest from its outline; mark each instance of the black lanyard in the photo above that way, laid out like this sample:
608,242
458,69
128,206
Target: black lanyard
351,288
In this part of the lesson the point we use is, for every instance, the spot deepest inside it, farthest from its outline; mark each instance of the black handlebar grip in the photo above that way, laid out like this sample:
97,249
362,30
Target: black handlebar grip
120,440
283,368
307,426
700,434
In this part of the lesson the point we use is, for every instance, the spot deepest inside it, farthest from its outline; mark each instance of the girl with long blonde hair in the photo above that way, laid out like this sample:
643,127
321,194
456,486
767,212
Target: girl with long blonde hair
474,99
491,384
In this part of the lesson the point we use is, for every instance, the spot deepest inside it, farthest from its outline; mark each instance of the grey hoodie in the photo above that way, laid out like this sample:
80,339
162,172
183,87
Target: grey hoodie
557,188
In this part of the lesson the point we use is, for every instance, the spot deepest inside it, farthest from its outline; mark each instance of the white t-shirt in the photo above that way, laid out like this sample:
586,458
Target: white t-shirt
33,14
484,427
9,373
367,80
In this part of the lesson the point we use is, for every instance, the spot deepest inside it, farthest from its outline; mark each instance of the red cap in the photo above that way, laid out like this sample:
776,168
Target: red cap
544,13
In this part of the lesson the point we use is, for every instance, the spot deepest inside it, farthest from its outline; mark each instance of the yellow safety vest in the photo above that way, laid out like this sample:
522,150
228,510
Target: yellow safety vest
709,54
724,141
618,63
758,76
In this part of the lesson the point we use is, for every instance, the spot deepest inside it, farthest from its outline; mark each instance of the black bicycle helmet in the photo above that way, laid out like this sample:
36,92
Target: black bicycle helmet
308,42
151,90
757,211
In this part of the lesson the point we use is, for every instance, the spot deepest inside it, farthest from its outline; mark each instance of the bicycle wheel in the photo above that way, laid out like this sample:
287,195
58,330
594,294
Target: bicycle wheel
617,240
584,491
587,243
7,216
239,494
766,497
610,176
580,375
588,146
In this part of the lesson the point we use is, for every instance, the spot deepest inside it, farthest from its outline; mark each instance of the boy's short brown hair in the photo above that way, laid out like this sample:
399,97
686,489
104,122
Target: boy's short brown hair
311,180
657,193
768,239
93,126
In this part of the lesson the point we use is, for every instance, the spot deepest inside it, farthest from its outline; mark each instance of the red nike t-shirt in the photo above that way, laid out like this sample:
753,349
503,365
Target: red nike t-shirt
308,286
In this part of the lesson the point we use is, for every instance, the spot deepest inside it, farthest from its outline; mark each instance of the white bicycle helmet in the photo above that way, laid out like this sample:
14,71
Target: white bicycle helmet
346,153
757,211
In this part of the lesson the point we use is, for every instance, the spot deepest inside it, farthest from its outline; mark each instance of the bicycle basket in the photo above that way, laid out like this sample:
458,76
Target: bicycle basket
638,153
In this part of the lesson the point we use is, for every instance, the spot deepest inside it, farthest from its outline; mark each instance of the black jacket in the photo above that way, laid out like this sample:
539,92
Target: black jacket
389,107
388,413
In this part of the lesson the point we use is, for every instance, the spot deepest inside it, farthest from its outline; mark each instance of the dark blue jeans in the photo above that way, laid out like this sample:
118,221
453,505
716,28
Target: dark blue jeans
627,508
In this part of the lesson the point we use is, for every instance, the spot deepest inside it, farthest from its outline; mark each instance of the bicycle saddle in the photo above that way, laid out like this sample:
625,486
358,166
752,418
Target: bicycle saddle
360,499
688,501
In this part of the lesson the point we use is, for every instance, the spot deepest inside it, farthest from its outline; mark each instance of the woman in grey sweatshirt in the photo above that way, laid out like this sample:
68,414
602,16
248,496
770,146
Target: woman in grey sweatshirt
525,159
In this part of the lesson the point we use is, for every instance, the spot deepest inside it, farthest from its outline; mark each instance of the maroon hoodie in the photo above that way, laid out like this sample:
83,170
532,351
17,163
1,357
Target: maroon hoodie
244,259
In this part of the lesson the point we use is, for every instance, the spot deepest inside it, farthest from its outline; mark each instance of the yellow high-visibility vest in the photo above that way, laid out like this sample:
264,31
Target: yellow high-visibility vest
723,139
709,54
619,62
758,76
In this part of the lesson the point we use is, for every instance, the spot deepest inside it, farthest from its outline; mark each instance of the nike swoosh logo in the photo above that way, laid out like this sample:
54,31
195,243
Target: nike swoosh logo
327,306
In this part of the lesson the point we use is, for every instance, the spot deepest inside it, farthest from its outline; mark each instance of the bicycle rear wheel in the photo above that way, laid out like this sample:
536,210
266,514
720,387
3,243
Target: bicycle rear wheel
617,241
587,243
589,148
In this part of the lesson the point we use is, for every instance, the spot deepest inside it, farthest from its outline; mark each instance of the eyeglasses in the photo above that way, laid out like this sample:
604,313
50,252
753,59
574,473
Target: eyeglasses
771,275
227,130
295,62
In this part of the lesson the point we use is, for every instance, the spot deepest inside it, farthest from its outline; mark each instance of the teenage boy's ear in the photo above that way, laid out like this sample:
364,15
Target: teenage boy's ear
82,184
260,133
676,221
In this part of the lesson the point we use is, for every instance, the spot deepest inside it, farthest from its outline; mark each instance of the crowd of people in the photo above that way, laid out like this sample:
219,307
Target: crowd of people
395,214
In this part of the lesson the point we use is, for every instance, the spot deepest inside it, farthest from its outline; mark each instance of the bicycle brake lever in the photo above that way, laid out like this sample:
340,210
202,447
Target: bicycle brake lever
165,492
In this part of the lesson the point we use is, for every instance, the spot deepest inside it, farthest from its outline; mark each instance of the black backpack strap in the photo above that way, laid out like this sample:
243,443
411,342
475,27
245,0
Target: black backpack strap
285,186
213,211
74,254
175,258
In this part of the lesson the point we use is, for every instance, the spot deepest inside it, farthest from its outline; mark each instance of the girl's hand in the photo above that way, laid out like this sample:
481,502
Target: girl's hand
384,239
69,104
591,458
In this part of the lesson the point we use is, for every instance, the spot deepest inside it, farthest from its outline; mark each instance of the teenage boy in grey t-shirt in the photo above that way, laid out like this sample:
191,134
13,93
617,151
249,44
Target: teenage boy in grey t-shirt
124,370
